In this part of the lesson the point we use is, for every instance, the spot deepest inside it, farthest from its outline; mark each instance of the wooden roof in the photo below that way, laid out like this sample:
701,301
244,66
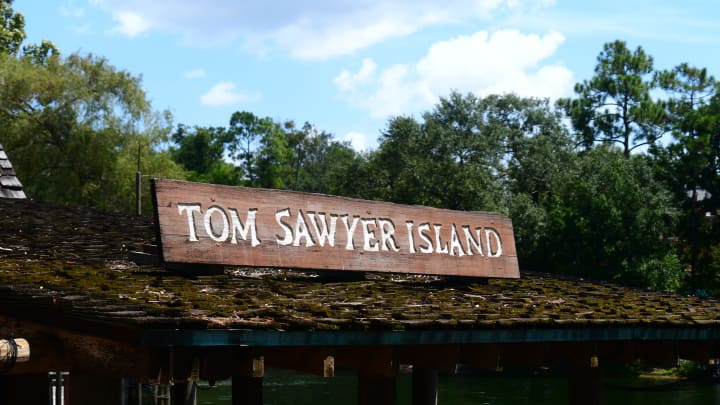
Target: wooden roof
10,186
60,264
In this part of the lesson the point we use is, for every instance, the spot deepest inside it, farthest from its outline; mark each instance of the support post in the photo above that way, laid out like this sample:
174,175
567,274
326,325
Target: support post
424,386
131,392
247,382
184,393
138,191
585,385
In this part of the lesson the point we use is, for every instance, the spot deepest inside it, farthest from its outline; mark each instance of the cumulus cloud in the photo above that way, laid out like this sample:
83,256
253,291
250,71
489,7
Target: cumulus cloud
506,61
318,29
130,24
223,94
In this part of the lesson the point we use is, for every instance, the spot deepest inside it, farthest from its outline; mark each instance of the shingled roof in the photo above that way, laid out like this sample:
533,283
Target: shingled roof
73,262
10,186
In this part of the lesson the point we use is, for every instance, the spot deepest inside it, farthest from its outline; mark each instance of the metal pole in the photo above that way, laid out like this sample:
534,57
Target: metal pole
138,183
138,191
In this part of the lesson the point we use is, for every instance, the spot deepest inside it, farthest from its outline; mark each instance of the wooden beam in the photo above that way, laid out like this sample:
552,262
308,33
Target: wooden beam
486,357
311,360
658,353
14,351
436,357
424,386
697,351
367,360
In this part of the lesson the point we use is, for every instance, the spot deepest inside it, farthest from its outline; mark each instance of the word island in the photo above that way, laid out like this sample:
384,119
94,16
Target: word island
238,226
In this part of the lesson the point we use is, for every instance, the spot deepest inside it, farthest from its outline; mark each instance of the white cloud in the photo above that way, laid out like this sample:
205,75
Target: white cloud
507,61
314,30
195,74
224,93
130,24
358,140
347,81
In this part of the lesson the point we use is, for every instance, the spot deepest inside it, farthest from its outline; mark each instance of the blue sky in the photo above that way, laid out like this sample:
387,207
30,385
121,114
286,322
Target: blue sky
346,66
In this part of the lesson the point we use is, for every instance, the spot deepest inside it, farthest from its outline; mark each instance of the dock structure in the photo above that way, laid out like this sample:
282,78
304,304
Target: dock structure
101,325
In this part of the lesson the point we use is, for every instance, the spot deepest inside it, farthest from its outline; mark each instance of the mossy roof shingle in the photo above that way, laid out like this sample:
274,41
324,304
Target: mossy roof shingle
74,261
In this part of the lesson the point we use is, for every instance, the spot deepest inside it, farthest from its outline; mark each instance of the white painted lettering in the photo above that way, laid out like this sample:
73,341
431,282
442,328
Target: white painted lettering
350,245
471,242
210,224
422,230
387,235
189,209
439,246
371,244
411,238
322,232
301,231
288,237
238,227
455,244
498,243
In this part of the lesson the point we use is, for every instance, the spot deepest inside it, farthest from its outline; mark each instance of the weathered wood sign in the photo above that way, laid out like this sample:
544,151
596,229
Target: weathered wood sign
211,224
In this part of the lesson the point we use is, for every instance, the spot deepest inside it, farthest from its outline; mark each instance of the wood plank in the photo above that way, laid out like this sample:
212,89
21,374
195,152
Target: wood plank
212,224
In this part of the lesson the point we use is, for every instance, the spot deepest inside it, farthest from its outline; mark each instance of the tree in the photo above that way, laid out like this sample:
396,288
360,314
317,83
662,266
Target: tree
69,122
245,130
200,150
610,219
615,105
275,158
692,165
12,29
450,160
539,158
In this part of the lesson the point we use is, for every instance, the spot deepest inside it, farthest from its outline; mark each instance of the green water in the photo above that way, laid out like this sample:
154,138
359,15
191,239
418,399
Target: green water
282,387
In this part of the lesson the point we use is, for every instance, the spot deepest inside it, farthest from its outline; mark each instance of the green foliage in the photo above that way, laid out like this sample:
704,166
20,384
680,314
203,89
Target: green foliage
608,218
245,130
200,151
12,29
71,122
615,105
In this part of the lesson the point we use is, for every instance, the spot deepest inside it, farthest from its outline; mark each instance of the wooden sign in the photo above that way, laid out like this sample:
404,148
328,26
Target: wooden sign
212,224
